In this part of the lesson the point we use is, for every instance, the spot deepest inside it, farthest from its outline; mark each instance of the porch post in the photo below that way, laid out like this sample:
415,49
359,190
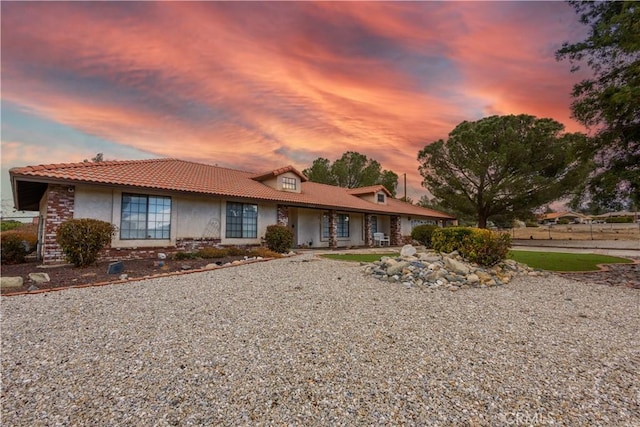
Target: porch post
368,238
396,232
333,229
283,215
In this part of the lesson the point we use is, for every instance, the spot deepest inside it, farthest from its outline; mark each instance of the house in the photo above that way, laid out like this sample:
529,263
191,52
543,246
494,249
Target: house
171,204
556,217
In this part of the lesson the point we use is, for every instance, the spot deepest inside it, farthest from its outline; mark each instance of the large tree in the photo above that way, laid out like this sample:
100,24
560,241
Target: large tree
609,102
352,170
502,166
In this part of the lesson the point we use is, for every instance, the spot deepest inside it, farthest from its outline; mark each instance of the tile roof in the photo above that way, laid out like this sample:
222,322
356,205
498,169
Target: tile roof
184,176
368,190
277,172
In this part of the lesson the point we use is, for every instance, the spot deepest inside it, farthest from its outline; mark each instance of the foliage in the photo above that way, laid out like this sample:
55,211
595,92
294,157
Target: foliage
279,238
352,170
477,245
563,221
17,244
531,224
609,101
502,165
449,239
9,225
82,239
236,251
207,253
263,253
359,257
557,261
619,220
485,247
181,256
423,233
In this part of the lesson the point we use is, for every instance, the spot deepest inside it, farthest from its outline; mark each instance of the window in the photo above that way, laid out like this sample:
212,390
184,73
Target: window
342,226
288,183
145,217
242,221
380,198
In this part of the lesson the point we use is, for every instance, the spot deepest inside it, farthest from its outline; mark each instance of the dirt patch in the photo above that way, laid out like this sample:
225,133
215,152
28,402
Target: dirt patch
67,275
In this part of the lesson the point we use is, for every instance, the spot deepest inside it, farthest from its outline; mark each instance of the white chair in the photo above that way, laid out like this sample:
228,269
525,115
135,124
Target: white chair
380,239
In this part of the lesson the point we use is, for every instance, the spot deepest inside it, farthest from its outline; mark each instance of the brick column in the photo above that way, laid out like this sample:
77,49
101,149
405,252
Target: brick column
333,229
60,206
283,215
368,236
396,232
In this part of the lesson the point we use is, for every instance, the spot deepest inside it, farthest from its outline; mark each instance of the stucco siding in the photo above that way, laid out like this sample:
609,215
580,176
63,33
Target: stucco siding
197,217
94,202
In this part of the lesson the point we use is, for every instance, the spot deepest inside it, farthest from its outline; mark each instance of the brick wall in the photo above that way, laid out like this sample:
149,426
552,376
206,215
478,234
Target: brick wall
396,231
60,201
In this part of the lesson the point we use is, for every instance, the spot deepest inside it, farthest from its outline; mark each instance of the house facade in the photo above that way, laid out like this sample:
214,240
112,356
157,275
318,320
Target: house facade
170,205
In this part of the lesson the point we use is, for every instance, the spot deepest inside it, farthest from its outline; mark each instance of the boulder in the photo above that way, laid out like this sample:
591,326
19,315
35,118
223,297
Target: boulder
162,255
457,267
408,250
39,277
473,278
397,268
11,282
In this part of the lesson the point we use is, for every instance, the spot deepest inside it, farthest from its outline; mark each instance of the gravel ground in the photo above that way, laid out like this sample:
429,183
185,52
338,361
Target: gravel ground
302,341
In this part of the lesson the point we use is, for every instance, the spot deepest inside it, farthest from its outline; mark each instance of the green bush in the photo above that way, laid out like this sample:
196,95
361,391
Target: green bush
181,256
17,244
619,220
422,234
532,224
279,238
485,247
9,225
563,221
449,239
82,239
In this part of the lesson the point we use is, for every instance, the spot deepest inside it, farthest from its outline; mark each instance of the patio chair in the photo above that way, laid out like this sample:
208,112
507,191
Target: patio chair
380,239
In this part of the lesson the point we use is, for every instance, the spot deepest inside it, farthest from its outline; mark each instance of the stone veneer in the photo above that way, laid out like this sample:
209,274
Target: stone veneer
283,215
333,229
59,201
368,236
396,231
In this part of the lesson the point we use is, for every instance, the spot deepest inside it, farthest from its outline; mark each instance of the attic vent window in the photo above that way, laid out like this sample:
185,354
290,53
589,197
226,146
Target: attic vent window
380,198
288,183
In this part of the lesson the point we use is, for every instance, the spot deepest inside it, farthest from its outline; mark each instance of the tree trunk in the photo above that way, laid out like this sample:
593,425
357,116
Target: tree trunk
482,220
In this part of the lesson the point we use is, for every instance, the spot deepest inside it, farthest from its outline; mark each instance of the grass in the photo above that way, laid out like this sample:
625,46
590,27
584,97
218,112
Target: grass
360,257
558,261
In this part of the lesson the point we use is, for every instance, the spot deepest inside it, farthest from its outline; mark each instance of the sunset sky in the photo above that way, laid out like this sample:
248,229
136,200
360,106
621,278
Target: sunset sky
257,86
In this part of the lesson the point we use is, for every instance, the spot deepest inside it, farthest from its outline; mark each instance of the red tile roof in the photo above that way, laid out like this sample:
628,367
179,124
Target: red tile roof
277,172
368,190
183,176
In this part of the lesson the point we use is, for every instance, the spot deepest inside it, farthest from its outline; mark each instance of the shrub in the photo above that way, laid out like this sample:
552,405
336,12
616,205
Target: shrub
485,247
17,244
449,239
82,239
532,224
9,225
236,251
279,238
619,219
207,253
563,221
422,234
264,253
181,256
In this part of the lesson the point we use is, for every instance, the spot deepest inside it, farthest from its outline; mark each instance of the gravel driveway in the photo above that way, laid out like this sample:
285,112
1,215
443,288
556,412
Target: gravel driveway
302,341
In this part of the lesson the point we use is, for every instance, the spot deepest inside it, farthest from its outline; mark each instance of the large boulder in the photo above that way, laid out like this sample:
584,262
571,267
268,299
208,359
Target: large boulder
11,282
407,251
456,266
39,277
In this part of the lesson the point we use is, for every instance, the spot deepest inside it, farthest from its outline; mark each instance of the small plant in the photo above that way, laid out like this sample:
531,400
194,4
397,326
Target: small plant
532,224
181,256
10,225
619,220
423,233
263,253
17,244
236,251
563,221
82,239
208,253
279,238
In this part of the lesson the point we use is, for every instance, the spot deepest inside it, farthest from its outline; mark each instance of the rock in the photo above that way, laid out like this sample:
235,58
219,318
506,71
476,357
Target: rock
211,266
39,277
115,267
186,267
407,285
11,282
456,266
123,276
32,288
408,250
397,268
162,255
429,257
473,278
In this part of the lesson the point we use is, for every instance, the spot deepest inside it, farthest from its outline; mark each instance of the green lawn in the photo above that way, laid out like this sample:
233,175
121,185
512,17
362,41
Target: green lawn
557,261
360,257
